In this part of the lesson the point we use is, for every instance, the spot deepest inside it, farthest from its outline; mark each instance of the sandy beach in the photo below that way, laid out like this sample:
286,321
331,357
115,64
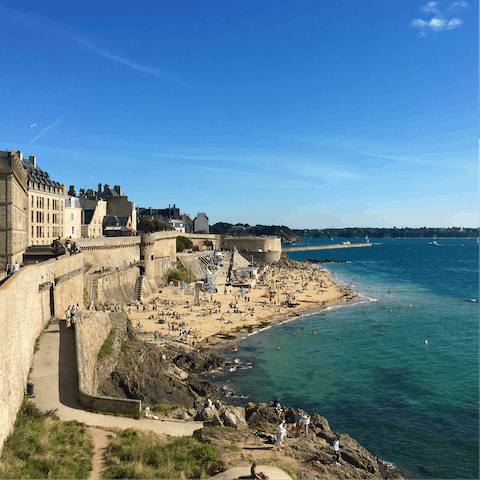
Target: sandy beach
232,309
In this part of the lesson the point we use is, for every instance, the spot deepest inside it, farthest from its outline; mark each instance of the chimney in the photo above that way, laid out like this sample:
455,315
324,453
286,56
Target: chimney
118,189
100,186
20,155
72,191
33,159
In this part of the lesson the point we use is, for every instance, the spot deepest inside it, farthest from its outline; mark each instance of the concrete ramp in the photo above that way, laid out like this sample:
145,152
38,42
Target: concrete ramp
195,263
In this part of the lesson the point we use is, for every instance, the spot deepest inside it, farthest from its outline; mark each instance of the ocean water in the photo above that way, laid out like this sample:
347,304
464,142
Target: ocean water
410,403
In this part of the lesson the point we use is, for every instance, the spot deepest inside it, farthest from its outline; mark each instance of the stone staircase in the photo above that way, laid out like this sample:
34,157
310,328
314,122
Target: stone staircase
139,288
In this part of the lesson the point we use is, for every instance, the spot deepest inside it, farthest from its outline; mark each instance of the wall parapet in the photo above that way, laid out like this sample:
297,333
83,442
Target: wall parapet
91,330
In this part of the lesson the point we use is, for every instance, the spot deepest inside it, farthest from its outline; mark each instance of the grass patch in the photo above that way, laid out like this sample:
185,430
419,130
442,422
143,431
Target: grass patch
107,344
162,407
36,347
234,448
289,472
42,446
137,454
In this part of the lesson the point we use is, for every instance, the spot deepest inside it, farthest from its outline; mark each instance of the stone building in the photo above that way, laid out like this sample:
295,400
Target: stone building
168,216
13,208
93,214
46,202
200,224
109,206
73,217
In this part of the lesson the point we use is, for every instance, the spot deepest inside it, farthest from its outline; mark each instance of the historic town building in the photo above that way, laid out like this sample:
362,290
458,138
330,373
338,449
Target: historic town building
46,205
13,208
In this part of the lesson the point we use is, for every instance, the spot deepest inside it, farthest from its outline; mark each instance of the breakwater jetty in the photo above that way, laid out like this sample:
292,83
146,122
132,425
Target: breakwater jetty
324,247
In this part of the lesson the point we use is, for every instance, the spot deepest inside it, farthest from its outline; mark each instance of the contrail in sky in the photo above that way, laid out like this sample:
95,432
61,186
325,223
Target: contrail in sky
54,124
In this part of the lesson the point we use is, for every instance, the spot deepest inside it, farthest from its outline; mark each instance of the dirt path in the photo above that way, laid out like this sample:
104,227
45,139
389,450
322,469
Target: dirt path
100,439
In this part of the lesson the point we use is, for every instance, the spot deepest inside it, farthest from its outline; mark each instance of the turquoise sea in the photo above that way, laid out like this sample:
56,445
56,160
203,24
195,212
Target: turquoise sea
413,404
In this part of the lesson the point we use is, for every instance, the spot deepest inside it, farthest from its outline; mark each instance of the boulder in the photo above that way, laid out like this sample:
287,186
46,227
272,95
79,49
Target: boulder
261,413
206,413
320,422
234,417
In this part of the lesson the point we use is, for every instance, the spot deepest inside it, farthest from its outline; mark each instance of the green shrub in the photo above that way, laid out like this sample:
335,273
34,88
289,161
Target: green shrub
107,344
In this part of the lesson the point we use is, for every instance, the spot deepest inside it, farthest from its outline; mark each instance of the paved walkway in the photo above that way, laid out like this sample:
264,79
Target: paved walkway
56,385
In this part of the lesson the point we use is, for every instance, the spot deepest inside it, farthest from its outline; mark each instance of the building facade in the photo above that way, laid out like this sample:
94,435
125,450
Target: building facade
93,214
200,224
13,208
73,217
46,202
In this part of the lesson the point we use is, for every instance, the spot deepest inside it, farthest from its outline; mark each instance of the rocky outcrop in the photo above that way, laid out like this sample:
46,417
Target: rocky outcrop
156,374
309,457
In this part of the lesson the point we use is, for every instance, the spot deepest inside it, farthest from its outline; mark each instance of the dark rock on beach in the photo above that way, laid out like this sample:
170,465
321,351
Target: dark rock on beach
327,260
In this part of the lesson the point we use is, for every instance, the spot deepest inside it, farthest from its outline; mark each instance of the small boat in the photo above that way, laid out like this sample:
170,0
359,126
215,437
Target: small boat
346,243
433,243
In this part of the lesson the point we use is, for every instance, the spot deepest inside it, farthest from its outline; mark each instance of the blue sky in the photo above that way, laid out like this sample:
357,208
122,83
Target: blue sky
310,114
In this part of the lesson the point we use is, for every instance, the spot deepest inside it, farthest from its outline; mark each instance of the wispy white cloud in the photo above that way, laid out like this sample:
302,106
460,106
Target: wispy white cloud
458,5
439,21
431,7
58,121
64,33
141,68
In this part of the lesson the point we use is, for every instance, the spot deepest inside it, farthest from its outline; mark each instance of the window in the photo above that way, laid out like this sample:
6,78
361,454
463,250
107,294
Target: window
48,203
72,217
32,214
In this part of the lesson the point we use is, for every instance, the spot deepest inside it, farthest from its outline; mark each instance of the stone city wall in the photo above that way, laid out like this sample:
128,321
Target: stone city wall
251,244
27,300
165,244
199,239
110,251
68,282
117,286
91,330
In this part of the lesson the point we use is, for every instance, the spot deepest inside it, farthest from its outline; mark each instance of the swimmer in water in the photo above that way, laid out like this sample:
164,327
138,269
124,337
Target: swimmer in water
293,333
278,348
338,338
314,332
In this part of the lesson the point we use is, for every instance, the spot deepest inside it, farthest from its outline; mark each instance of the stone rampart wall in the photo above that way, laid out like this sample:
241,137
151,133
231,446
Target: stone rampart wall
165,244
68,282
264,257
108,252
27,299
117,286
91,330
198,240
24,312
251,244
